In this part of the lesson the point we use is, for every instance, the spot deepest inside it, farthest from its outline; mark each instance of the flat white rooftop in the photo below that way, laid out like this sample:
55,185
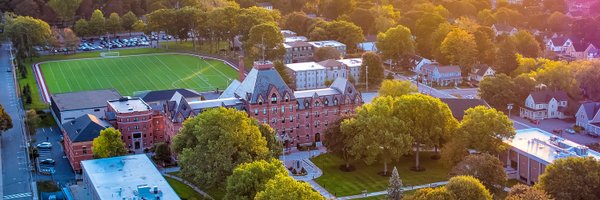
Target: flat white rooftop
352,62
327,43
127,105
304,66
548,147
120,178
295,39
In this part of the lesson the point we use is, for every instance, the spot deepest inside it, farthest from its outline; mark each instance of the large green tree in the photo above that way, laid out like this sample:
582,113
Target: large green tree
439,193
589,78
250,178
396,88
426,120
285,187
325,53
265,40
213,143
506,56
25,33
498,91
114,24
274,145
459,48
97,23
468,188
128,20
485,167
371,62
425,26
248,18
65,9
341,31
5,120
81,28
525,192
526,44
484,130
108,144
339,141
572,178
32,121
396,43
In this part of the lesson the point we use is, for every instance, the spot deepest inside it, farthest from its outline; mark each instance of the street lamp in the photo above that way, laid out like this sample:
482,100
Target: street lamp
509,107
367,78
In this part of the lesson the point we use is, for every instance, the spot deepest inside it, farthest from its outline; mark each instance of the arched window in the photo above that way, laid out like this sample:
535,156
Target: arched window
274,98
317,103
326,102
287,98
335,102
306,104
260,100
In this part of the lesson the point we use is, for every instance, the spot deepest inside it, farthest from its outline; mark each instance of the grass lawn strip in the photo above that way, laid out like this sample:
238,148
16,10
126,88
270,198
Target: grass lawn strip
184,191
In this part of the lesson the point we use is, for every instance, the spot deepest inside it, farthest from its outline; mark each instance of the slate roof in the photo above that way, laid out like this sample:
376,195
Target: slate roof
84,99
85,128
330,63
581,46
459,106
299,44
545,96
559,41
162,95
258,82
591,108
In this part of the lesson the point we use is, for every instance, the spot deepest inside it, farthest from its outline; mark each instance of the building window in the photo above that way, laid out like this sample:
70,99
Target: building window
287,98
282,109
335,102
326,102
256,111
291,108
317,104
84,149
264,111
291,118
274,98
273,110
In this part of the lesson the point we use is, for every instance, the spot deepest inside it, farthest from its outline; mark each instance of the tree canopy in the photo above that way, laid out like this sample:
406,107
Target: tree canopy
467,188
396,88
5,120
484,130
285,187
396,43
371,62
250,178
485,167
459,48
108,144
572,178
524,192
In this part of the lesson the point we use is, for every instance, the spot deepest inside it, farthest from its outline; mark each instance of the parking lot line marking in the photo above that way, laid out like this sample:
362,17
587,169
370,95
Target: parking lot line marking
17,196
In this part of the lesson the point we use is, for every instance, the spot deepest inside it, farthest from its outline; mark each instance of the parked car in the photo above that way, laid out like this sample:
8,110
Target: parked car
568,130
47,161
557,131
44,145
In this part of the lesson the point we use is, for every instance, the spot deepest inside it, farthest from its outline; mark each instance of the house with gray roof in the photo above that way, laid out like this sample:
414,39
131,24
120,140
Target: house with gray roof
68,106
504,29
588,117
480,71
78,136
442,75
545,104
558,44
459,106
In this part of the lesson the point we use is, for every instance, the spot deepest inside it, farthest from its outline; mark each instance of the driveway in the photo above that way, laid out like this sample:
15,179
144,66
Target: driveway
63,172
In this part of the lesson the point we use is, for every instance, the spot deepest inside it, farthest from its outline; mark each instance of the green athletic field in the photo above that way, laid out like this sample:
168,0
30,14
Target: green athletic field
131,74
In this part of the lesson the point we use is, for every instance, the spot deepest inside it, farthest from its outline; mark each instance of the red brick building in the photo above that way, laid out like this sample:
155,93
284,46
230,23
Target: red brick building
78,135
140,126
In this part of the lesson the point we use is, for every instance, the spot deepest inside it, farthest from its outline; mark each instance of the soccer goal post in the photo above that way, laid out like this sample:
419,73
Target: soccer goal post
109,54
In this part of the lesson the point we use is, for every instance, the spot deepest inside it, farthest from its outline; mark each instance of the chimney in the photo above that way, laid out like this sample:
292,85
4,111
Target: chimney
241,69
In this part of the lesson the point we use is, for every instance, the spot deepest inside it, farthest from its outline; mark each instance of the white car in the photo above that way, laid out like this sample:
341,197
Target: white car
44,145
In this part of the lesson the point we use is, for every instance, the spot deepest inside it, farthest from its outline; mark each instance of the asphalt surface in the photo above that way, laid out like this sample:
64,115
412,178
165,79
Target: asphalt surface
16,175
62,171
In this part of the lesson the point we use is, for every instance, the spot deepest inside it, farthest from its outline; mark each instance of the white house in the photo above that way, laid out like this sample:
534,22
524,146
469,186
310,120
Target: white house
541,105
501,29
418,63
480,71
307,75
442,75
265,5
588,117
558,44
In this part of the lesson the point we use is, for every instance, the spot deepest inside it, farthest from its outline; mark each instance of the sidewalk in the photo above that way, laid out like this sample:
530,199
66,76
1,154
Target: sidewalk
358,196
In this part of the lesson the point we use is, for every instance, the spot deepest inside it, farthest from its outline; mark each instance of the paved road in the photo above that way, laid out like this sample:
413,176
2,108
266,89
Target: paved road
16,176
424,89
63,173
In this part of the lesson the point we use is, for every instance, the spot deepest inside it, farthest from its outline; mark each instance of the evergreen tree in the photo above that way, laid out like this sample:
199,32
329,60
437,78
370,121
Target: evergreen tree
395,188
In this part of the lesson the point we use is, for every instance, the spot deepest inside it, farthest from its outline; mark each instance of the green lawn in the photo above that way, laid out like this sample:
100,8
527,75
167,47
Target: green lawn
215,192
184,191
365,177
37,103
131,74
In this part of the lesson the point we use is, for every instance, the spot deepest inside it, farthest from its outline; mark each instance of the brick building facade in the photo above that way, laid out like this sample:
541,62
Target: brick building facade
140,126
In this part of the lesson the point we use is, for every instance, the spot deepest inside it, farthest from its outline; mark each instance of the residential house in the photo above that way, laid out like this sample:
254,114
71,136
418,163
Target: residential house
504,29
588,117
370,43
330,43
582,51
546,104
442,75
418,62
69,106
265,5
298,51
480,71
459,106
79,135
558,44
288,33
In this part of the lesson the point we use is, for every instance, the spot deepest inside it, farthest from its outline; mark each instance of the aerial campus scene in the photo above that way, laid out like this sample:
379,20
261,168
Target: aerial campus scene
300,99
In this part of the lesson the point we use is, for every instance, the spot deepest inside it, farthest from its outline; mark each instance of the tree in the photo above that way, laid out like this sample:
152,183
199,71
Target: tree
425,26
524,192
325,53
113,24
108,144
558,22
439,193
282,70
484,130
371,62
526,44
558,75
139,26
82,28
437,37
394,191
506,56
5,120
213,143
396,43
459,48
467,188
486,50
128,20
485,167
65,9
332,9
32,121
248,18
339,141
588,78
27,32
497,91
162,152
71,41
341,31
265,40
363,18
379,132
285,187
298,22
563,178
274,145
396,88
250,178
426,120
97,23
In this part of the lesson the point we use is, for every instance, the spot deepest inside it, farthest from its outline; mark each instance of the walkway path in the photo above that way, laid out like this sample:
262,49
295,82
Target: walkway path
358,196
189,184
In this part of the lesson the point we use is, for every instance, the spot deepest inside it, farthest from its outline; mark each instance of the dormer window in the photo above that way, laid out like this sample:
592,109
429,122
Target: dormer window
335,102
260,101
317,104
274,98
326,102
287,98
306,104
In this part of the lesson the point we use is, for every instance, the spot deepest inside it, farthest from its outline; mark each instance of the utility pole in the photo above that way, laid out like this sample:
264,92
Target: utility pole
509,107
367,78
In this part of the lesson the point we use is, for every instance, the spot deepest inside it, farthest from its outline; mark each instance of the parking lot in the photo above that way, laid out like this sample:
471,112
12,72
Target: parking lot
550,125
61,170
137,40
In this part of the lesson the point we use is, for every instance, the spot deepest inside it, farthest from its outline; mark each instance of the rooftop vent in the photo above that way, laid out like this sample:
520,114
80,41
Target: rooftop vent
581,150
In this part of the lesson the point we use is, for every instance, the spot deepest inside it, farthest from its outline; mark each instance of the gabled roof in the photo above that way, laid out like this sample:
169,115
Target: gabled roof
503,27
442,69
545,96
559,41
85,128
481,69
581,46
590,109
163,95
330,63
258,82
84,99
459,106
